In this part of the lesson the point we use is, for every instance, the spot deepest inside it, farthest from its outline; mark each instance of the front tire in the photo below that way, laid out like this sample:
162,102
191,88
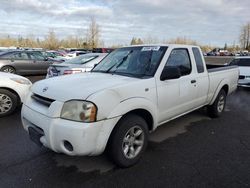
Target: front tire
128,141
8,102
215,110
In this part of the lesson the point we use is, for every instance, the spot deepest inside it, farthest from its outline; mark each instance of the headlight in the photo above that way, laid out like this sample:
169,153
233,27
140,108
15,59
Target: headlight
21,81
82,111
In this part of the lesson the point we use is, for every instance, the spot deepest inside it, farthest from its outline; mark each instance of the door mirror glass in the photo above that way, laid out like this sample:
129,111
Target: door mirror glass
170,72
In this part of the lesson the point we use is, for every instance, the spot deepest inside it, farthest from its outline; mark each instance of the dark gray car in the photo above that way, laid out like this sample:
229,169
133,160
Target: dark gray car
24,62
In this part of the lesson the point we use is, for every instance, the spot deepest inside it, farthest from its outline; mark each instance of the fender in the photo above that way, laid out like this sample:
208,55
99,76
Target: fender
116,114
220,86
135,103
18,94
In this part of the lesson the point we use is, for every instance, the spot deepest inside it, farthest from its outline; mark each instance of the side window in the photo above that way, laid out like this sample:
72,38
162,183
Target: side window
36,56
180,58
198,60
20,56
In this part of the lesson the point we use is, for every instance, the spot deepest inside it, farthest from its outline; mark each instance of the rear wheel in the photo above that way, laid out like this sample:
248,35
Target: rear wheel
128,140
8,69
8,102
216,109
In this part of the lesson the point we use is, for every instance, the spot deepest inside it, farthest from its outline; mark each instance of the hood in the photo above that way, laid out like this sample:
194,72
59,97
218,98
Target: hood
64,65
245,71
10,75
78,86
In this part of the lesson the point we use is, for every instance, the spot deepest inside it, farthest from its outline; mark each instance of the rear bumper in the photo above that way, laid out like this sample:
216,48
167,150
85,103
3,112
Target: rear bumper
56,133
244,83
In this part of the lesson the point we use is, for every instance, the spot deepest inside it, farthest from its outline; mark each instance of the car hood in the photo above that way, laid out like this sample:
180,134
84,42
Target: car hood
78,86
64,65
10,75
245,71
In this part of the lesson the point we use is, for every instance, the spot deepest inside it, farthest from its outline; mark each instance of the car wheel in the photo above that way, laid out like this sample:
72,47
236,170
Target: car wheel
128,140
8,69
8,102
215,110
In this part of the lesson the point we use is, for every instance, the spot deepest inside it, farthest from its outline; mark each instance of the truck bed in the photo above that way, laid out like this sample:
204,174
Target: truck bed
215,68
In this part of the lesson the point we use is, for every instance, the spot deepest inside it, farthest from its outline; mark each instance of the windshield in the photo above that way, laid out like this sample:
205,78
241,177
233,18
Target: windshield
244,62
82,59
141,61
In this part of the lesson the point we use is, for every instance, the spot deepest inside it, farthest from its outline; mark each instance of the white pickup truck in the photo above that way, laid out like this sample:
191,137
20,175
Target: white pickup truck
130,93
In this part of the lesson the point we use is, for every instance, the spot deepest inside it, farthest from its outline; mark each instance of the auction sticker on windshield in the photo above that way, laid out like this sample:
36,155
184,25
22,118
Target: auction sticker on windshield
150,48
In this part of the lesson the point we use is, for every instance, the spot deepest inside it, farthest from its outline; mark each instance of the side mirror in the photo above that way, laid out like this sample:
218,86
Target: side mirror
46,59
95,65
170,72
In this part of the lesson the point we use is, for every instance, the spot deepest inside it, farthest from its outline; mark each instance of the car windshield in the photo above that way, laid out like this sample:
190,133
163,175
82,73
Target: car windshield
82,59
244,62
139,61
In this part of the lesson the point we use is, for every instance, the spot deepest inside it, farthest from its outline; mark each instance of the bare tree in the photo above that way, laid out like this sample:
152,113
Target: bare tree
245,36
93,34
51,42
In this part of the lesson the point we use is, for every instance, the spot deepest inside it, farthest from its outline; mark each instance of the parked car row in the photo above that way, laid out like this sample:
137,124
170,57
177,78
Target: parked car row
222,52
26,62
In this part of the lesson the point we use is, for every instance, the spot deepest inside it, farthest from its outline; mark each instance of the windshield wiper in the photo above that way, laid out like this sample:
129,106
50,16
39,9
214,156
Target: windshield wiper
120,63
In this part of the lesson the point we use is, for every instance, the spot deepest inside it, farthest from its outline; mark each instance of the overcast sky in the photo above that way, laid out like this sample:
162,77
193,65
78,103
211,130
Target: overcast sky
213,22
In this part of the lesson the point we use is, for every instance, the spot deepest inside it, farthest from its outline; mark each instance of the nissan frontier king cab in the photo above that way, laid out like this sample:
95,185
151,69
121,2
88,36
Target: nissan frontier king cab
126,96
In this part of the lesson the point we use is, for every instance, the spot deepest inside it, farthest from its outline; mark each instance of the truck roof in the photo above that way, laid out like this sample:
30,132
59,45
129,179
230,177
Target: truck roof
242,57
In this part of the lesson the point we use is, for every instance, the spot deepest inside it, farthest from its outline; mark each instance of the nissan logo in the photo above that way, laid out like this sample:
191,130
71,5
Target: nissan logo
45,89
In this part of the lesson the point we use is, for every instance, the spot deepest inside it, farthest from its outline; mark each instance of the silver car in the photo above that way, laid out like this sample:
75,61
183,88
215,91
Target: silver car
24,62
82,63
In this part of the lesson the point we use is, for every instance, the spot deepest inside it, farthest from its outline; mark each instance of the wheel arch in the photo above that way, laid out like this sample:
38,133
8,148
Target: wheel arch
9,66
223,85
13,91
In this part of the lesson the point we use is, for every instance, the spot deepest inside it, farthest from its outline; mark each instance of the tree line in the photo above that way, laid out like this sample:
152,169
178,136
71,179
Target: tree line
91,39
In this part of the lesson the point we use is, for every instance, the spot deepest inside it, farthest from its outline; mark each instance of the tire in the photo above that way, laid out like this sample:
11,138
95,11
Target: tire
128,141
8,69
216,109
8,102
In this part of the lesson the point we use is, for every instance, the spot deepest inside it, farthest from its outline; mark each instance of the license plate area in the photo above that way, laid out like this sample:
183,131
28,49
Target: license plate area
35,134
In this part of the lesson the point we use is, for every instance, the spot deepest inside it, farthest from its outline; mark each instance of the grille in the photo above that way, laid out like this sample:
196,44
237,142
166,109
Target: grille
42,100
241,77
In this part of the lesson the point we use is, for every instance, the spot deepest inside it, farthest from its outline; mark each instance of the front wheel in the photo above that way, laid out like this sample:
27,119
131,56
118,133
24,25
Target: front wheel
215,110
128,140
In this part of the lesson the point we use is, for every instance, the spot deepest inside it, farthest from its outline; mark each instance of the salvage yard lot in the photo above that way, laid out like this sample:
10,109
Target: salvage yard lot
192,151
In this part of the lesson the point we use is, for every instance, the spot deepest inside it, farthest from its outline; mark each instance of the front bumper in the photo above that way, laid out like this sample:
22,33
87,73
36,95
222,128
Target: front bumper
57,133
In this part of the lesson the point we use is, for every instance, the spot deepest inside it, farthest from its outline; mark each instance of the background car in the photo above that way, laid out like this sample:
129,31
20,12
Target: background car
13,90
25,62
73,54
83,63
244,67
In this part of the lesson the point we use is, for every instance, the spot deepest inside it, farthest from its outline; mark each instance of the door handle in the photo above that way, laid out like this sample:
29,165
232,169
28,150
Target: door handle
193,81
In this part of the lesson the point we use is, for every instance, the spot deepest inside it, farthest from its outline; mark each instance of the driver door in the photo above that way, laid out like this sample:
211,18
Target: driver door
176,96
